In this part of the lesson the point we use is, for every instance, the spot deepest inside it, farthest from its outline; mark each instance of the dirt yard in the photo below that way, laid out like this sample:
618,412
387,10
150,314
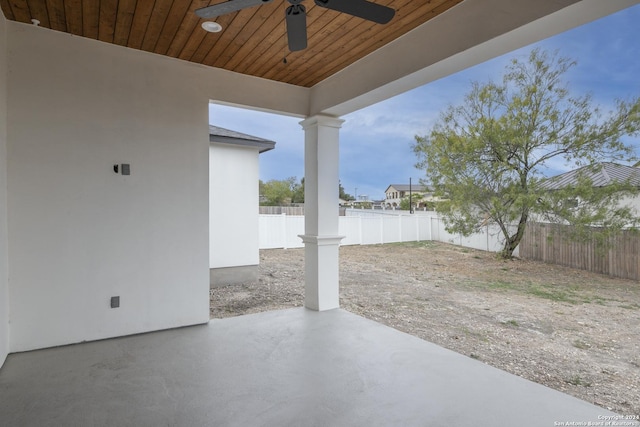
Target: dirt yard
571,330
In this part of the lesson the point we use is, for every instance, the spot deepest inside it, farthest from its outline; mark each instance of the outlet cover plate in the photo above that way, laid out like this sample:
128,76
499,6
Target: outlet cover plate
115,302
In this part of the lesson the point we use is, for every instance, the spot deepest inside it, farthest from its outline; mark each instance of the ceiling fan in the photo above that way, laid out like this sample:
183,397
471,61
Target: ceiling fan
296,17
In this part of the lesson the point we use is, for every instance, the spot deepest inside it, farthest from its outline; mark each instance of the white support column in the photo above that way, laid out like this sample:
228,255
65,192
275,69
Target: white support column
321,239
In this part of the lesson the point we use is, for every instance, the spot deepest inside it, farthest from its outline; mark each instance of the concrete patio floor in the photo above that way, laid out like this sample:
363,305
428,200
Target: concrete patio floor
283,368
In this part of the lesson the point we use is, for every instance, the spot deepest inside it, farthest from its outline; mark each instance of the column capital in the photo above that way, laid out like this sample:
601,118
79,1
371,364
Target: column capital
321,120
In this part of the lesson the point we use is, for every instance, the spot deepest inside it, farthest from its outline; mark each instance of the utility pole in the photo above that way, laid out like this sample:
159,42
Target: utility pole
410,198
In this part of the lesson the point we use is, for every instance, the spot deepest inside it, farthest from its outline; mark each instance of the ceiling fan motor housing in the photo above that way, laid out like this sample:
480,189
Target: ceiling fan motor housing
296,14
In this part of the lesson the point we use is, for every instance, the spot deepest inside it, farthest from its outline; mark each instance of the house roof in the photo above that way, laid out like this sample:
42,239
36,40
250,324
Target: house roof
405,187
601,174
226,136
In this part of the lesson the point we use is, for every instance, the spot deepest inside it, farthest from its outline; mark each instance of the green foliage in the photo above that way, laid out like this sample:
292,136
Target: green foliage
487,157
342,194
277,192
576,380
297,192
287,191
406,206
585,206
512,322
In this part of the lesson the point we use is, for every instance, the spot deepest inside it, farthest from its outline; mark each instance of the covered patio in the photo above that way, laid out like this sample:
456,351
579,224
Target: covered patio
281,368
89,252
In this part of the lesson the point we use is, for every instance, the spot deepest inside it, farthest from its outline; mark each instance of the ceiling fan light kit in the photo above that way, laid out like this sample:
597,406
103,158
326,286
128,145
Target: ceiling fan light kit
212,27
296,14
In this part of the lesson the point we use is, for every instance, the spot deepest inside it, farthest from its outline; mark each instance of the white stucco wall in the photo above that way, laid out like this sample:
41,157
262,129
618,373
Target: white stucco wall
631,202
233,186
78,232
4,275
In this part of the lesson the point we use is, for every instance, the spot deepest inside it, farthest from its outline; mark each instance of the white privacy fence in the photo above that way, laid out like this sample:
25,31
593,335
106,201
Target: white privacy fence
370,230
281,231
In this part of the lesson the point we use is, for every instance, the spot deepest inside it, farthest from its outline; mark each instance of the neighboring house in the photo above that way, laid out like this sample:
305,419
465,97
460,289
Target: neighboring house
233,226
396,192
378,204
604,174
361,200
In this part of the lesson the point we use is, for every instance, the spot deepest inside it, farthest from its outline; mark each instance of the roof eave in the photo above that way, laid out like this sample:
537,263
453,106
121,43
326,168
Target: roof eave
262,146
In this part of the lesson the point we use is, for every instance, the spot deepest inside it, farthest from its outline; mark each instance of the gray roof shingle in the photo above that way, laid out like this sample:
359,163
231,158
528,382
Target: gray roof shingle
405,187
601,174
226,136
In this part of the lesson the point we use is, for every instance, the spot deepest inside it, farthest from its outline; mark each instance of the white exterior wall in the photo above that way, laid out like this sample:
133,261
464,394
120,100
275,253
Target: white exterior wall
78,232
233,209
4,274
631,202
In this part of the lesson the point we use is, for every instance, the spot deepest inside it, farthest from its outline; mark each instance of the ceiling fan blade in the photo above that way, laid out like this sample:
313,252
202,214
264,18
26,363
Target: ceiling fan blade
296,19
361,8
227,7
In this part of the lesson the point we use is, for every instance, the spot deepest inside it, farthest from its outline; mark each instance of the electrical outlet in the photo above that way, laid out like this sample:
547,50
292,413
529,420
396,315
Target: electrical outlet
115,302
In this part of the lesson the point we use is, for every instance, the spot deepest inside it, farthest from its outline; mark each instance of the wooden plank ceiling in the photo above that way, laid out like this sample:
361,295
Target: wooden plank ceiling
253,41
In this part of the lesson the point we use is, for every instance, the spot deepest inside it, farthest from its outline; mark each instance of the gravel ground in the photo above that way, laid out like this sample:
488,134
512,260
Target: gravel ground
571,330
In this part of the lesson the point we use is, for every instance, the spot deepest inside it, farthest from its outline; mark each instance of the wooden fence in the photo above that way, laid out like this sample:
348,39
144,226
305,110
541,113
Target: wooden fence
551,243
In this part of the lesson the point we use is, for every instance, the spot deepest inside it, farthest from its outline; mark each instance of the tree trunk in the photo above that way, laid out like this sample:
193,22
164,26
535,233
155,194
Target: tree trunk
512,242
510,245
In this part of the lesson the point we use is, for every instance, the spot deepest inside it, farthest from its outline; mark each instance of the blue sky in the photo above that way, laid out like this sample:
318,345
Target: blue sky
375,142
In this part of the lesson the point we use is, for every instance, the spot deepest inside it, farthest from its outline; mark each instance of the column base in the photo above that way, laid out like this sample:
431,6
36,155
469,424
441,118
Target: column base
322,290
